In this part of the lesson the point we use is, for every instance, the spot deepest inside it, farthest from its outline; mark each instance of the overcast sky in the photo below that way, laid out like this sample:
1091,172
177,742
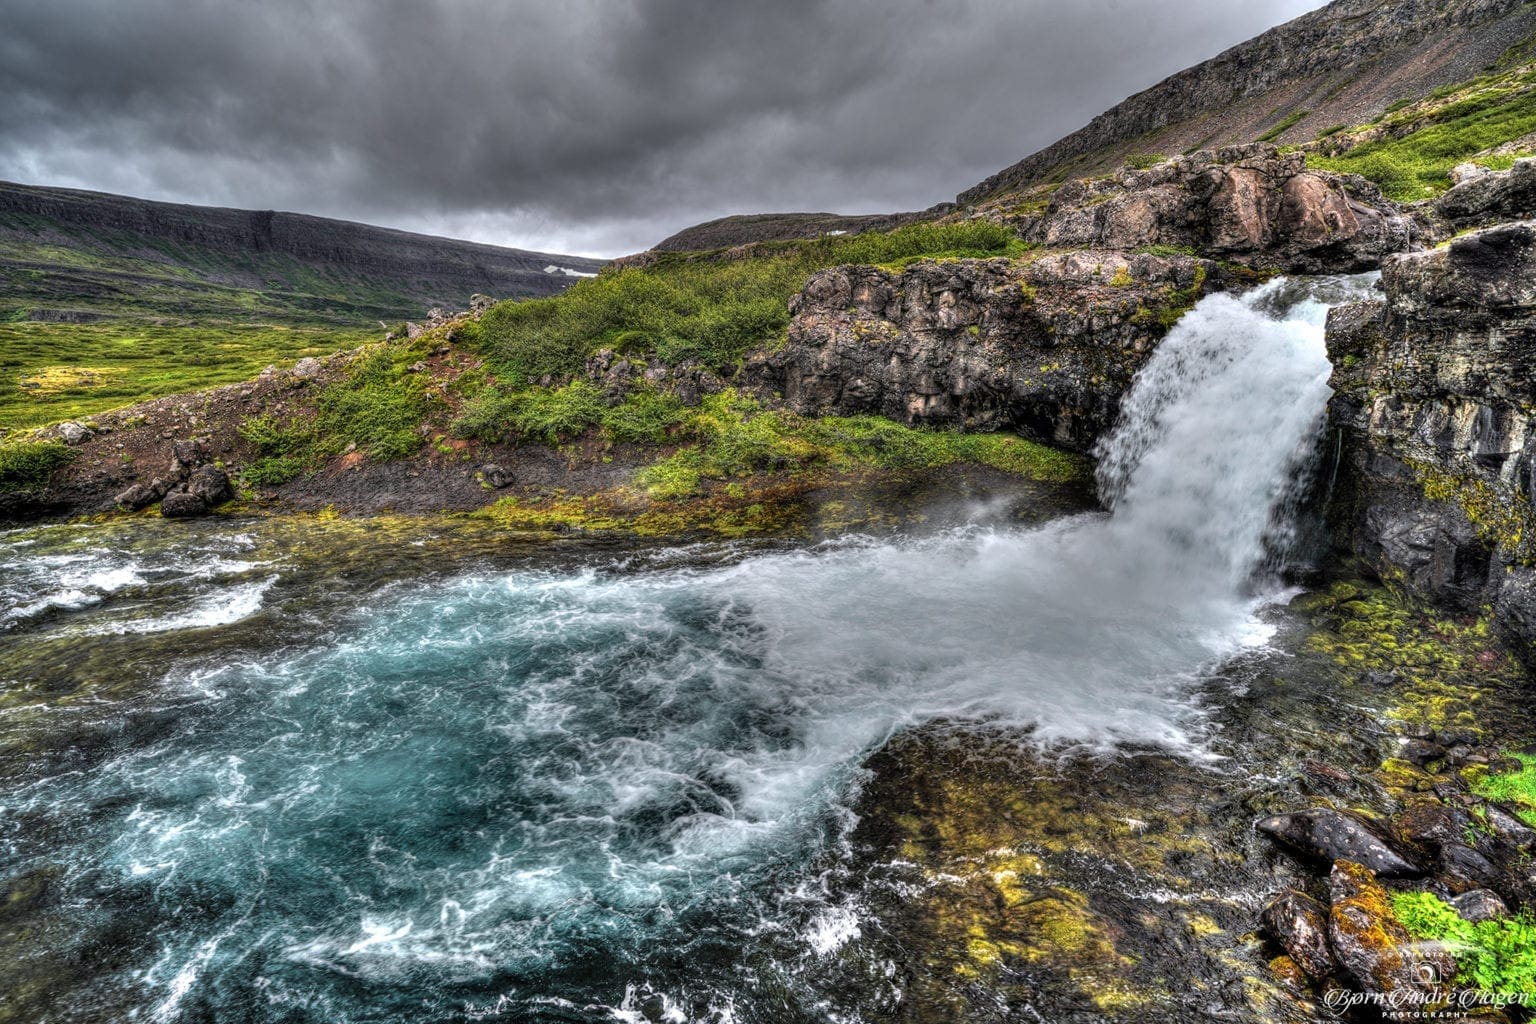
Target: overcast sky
587,126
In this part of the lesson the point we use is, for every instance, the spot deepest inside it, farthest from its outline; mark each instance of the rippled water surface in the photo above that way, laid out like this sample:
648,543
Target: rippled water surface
323,772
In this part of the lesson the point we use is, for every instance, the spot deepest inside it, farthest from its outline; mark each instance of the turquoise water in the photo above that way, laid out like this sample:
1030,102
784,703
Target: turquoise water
262,772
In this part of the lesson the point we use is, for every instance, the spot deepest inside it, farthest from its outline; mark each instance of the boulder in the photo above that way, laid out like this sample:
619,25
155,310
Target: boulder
182,505
1371,944
307,368
1328,835
185,457
495,476
1480,905
140,495
73,434
210,484
1300,925
1248,204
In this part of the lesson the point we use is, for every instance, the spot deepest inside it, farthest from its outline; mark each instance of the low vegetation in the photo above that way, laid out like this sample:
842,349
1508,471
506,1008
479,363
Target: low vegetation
1496,956
1411,149
51,372
711,308
1517,788
377,408
28,464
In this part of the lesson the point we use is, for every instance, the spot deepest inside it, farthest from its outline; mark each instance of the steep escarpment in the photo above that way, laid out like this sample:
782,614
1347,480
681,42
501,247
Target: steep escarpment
1341,65
66,252
1045,346
1436,394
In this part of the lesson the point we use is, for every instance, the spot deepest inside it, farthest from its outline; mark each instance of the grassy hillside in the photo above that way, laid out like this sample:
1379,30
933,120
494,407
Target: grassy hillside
703,307
1410,150
105,300
53,372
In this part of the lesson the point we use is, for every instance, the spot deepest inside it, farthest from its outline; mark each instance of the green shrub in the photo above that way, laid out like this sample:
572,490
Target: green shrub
645,417
25,465
1493,956
377,406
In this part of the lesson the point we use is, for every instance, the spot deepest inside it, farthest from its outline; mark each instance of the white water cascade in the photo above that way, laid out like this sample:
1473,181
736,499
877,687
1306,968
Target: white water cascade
513,775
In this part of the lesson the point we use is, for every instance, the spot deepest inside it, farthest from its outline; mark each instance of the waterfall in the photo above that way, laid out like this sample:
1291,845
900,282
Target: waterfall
1217,435
533,785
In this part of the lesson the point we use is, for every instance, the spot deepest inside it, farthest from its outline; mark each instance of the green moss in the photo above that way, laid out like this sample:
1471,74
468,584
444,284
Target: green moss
1443,669
25,465
1499,517
1517,788
1141,161
1496,956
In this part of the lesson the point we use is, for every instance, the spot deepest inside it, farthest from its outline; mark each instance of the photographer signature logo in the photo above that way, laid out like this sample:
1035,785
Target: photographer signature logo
1428,999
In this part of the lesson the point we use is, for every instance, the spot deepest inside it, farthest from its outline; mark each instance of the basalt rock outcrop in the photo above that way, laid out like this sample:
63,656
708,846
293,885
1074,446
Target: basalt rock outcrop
1435,396
1248,204
1045,346
1482,200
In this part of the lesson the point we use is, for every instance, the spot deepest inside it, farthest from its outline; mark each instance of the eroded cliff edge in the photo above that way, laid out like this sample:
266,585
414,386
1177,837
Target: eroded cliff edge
1435,396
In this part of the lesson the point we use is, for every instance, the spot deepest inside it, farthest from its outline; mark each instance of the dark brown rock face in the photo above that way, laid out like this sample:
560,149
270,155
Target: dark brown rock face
1436,388
1044,346
1248,204
1484,200
1300,925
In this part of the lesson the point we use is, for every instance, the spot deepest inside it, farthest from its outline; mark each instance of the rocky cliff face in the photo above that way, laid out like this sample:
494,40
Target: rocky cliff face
1249,204
1436,394
1046,346
1343,64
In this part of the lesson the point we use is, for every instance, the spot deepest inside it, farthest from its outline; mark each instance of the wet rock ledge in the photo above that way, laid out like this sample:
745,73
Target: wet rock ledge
1435,397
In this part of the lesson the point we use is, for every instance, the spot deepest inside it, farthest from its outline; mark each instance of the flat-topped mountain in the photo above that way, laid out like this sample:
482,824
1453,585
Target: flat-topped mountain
68,254
1341,65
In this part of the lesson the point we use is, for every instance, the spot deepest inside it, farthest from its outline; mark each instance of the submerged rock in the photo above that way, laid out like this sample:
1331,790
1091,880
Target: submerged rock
1329,835
1300,925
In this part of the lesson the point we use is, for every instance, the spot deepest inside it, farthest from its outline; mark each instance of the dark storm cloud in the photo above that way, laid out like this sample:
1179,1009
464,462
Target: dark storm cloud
594,126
